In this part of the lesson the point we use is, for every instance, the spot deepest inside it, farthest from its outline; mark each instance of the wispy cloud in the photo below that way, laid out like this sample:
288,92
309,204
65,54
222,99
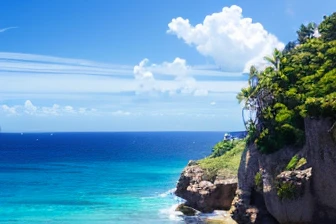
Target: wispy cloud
7,28
38,74
64,89
28,108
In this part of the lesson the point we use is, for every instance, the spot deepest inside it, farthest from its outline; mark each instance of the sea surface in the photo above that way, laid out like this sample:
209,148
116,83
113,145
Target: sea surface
93,178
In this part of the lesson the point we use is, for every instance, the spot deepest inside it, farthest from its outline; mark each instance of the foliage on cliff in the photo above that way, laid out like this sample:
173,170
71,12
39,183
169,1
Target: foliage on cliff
226,164
222,147
301,82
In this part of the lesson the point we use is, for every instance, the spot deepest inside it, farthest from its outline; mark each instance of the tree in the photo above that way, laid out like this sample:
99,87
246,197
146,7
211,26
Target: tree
303,85
289,47
306,32
274,59
246,93
327,28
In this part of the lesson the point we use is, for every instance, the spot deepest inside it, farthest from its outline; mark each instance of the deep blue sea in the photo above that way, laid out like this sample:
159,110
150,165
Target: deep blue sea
94,178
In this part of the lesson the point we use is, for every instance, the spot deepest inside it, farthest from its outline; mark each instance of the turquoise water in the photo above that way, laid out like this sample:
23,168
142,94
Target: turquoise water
95,177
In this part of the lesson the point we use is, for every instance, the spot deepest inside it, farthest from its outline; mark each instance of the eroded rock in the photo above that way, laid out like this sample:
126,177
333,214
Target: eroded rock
202,194
306,195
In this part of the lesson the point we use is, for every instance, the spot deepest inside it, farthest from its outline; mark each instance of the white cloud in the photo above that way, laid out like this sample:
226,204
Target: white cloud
183,82
29,107
65,78
141,72
54,110
7,28
234,42
213,103
121,113
178,67
69,109
9,110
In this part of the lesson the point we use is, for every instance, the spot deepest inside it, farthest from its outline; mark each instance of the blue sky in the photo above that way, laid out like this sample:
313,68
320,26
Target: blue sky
102,65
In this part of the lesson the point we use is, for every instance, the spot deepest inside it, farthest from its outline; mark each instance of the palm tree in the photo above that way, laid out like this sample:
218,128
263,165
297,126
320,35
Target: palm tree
289,46
275,59
244,94
247,95
306,32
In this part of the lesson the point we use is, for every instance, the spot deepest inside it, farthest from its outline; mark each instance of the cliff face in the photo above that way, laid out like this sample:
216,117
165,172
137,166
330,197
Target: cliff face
303,195
203,194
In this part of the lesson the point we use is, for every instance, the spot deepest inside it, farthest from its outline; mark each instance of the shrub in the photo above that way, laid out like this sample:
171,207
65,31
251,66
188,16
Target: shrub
287,190
292,163
300,163
300,83
225,165
222,147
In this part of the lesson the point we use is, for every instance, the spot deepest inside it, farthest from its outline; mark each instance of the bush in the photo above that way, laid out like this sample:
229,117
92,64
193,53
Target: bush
300,83
225,165
287,190
292,163
295,163
222,147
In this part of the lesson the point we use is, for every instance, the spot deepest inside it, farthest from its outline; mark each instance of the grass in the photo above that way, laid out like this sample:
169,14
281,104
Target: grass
225,165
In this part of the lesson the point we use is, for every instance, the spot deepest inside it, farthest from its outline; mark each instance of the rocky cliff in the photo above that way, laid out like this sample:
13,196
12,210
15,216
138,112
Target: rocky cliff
270,193
202,193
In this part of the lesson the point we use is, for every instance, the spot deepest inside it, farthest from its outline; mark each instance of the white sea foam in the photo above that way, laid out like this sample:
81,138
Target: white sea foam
171,213
168,193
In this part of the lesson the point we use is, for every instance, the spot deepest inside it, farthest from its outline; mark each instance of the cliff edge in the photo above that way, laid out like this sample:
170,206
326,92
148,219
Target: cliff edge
293,185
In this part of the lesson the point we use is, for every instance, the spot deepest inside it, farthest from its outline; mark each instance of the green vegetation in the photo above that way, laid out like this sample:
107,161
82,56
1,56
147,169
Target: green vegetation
295,163
292,163
301,82
222,147
225,165
258,181
287,190
301,162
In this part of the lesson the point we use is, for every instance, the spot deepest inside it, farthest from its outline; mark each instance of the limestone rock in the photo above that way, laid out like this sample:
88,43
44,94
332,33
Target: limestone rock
202,194
314,184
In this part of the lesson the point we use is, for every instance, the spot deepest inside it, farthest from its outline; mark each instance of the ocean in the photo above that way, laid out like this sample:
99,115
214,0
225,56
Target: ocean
91,178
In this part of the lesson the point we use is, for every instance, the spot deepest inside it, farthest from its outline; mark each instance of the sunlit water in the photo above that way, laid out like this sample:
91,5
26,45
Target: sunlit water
95,177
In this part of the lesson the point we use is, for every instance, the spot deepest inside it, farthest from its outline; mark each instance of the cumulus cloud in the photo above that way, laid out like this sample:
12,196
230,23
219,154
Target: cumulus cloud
141,72
69,109
29,108
54,110
178,67
144,77
182,81
9,110
233,41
